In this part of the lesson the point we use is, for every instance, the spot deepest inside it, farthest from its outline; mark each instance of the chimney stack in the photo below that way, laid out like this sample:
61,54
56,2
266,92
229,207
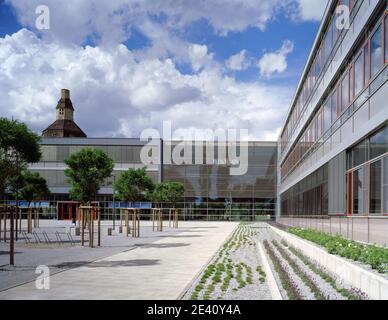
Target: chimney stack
65,94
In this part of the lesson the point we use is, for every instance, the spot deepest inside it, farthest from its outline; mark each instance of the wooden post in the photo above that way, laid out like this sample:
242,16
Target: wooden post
121,217
16,223
29,222
160,220
1,217
126,222
135,223
34,218
20,220
81,210
176,218
99,227
11,237
153,219
138,223
169,218
91,228
5,225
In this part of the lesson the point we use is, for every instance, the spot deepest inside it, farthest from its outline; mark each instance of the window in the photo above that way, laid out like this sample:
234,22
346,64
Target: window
358,191
385,185
345,91
326,116
366,65
328,42
375,187
360,153
358,78
386,38
319,124
379,143
376,52
334,112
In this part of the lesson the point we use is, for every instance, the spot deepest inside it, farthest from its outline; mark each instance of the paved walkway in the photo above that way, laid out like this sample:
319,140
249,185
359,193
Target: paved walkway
157,270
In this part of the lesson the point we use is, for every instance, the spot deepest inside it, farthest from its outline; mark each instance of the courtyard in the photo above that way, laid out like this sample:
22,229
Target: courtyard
199,260
158,265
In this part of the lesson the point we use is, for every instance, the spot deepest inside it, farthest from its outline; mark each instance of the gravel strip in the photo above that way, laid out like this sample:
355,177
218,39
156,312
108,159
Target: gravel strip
304,290
235,273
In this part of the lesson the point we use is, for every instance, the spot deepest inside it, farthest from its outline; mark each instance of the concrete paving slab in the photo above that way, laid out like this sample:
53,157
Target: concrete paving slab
155,270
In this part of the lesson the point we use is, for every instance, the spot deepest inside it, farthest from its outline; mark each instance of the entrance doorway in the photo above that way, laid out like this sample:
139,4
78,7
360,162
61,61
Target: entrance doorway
67,210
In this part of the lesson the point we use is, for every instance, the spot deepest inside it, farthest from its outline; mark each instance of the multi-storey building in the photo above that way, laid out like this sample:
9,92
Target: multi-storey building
332,152
211,192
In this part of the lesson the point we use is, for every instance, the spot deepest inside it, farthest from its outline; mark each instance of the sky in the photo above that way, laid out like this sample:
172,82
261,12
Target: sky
132,64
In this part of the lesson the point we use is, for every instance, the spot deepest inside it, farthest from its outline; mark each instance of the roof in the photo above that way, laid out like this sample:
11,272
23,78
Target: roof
68,128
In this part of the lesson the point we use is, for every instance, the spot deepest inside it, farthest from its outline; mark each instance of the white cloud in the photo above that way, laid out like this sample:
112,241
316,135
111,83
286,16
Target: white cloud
311,10
110,22
274,62
116,94
238,61
199,57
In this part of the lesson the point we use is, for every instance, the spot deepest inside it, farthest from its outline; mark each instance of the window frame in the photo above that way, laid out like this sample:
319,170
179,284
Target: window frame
385,43
379,25
358,56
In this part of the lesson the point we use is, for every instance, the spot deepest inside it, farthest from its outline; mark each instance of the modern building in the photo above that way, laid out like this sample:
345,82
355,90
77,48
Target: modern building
211,192
333,149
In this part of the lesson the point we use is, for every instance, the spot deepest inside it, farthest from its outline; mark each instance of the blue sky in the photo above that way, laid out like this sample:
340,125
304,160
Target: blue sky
209,64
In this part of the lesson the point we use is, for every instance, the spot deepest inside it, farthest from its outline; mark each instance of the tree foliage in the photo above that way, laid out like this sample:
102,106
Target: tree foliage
18,147
133,185
87,170
34,187
158,194
174,191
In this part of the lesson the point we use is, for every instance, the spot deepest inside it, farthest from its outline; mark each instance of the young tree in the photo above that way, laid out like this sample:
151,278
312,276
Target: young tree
34,187
133,185
158,194
87,171
18,147
174,192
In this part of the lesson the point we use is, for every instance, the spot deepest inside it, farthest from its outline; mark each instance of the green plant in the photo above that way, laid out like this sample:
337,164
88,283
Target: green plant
288,285
324,275
303,276
376,257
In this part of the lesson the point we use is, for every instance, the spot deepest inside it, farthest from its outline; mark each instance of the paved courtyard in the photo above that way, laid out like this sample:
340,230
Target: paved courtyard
155,266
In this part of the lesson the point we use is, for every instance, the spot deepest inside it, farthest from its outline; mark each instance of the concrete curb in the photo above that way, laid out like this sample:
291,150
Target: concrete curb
272,284
375,286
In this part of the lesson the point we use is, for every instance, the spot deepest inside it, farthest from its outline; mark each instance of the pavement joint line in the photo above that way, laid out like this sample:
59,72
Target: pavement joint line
134,247
70,268
187,288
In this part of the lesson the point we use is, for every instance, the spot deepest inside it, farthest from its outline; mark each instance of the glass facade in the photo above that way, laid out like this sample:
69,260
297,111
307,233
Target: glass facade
119,154
343,99
212,193
367,175
309,196
325,50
